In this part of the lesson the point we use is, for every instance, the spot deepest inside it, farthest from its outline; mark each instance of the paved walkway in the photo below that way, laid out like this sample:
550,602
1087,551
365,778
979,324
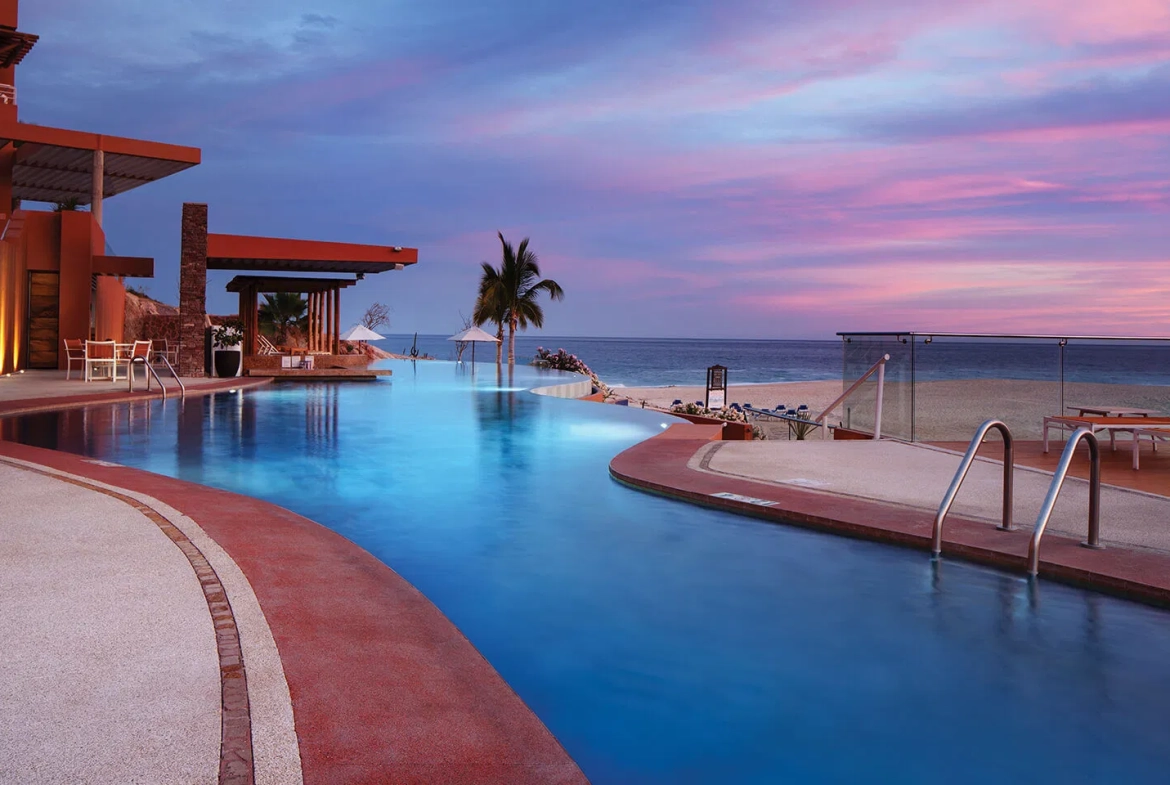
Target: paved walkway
109,671
381,686
918,476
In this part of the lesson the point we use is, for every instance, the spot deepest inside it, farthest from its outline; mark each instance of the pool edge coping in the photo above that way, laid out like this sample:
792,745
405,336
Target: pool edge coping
660,466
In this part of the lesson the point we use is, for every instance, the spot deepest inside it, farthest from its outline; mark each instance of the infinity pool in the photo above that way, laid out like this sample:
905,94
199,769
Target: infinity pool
664,643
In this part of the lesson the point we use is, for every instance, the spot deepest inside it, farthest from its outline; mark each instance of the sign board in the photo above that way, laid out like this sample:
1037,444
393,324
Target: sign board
716,387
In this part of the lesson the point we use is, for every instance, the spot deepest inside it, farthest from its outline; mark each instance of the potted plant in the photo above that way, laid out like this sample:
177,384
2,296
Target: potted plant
228,354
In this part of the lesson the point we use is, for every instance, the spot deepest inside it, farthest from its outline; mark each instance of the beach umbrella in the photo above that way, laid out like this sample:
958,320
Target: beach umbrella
474,335
360,333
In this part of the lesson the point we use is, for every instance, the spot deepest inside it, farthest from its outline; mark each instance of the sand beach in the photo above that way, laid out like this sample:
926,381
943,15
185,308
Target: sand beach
943,410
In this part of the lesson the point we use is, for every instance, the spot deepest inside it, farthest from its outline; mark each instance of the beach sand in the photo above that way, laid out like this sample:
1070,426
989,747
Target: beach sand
943,410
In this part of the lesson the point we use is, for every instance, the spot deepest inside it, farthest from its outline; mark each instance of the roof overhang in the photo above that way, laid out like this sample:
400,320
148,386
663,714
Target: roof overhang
56,164
277,283
128,266
14,46
239,252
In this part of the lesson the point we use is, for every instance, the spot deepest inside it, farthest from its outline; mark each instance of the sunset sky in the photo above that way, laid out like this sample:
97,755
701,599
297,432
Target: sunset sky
741,168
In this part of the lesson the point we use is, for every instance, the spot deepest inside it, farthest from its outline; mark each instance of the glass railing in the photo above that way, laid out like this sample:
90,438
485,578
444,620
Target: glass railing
941,386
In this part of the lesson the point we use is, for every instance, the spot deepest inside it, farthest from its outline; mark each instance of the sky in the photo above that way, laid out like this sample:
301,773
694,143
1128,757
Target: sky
739,168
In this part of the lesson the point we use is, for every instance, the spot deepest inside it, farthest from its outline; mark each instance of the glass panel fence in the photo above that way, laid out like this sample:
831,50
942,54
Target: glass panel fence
960,382
939,388
858,410
1117,375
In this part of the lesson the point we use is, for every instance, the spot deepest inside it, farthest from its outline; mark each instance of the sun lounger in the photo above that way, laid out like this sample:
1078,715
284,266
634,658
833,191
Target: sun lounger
1112,425
1156,434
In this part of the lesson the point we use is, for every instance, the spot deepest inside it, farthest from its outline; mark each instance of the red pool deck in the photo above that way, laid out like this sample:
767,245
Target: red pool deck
659,465
384,687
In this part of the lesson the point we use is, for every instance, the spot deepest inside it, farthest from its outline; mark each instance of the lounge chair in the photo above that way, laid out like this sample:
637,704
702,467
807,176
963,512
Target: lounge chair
1156,435
1112,425
74,353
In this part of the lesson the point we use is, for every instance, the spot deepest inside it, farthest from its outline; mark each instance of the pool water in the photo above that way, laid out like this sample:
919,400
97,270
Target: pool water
661,642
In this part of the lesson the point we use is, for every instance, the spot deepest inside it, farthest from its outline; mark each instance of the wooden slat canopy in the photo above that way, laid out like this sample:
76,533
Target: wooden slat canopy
56,164
275,283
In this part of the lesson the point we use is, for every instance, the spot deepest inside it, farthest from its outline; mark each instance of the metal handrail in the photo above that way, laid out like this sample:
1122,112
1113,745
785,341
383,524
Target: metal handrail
961,474
880,368
174,373
142,361
1094,540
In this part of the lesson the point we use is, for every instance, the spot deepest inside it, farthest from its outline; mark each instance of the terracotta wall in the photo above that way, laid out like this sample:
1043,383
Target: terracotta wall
109,309
12,296
76,268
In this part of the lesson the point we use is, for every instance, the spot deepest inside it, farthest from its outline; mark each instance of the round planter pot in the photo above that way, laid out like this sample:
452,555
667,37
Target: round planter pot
227,362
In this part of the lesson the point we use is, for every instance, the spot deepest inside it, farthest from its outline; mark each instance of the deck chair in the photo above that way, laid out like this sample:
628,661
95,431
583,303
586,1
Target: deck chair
74,353
101,360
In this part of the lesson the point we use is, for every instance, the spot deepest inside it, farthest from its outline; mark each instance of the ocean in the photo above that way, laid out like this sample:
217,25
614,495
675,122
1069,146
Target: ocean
658,362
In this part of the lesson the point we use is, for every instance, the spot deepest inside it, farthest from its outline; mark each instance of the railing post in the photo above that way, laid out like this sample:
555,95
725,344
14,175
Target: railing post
881,386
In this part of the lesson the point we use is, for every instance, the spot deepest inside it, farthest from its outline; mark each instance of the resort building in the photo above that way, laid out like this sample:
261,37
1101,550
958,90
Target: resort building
58,280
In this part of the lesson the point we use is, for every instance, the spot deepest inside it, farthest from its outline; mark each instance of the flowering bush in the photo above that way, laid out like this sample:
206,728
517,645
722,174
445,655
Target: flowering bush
727,413
563,361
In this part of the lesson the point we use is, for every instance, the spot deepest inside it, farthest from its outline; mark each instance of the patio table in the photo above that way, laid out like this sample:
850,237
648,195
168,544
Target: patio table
1112,411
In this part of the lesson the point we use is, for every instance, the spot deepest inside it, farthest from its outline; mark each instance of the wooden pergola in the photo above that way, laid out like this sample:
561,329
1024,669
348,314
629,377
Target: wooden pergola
324,314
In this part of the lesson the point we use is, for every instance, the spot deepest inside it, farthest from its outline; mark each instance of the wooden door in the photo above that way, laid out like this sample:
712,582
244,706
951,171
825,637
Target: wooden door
44,299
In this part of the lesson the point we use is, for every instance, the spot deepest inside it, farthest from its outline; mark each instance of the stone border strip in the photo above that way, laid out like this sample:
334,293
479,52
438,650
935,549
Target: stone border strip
235,755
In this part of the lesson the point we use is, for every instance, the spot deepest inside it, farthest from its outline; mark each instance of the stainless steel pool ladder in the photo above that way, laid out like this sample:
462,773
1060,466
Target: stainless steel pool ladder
1070,448
150,370
961,474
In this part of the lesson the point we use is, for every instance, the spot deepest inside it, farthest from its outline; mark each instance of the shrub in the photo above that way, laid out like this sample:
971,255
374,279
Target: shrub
563,361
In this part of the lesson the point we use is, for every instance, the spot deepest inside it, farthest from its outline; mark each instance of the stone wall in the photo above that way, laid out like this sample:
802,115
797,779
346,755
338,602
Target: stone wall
192,290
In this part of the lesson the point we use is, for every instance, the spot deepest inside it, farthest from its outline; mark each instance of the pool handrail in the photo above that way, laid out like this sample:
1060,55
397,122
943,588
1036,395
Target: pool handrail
880,368
961,474
1070,448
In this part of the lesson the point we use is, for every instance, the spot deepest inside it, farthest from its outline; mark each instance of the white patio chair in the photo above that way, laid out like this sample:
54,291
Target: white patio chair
74,353
101,356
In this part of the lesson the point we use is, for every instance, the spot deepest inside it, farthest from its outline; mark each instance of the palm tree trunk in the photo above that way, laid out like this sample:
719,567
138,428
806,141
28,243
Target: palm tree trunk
512,341
499,341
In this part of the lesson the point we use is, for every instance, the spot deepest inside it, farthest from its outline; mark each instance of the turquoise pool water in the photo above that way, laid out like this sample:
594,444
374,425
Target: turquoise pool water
664,643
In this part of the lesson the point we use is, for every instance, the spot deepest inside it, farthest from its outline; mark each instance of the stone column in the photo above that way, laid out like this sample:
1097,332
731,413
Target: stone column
97,186
192,289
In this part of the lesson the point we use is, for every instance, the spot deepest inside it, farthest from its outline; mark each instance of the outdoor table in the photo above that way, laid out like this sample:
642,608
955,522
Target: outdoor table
1112,411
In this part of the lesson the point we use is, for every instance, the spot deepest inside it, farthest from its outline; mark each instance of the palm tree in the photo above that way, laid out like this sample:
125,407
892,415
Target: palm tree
281,311
490,304
521,283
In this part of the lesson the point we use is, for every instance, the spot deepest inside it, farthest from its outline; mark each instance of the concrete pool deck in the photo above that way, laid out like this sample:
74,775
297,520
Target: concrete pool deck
342,671
890,492
40,391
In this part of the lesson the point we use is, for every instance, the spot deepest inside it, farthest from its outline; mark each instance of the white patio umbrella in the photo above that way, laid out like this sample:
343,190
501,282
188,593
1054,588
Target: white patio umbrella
474,335
360,333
